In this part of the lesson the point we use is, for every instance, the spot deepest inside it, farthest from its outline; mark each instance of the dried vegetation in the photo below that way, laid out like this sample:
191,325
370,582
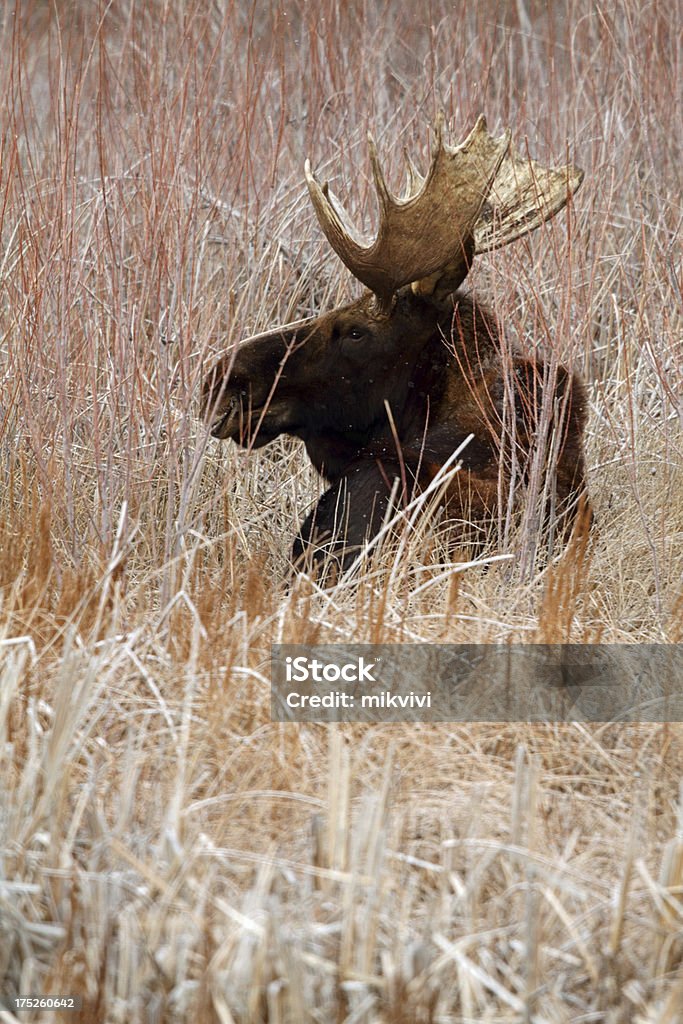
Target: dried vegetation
165,851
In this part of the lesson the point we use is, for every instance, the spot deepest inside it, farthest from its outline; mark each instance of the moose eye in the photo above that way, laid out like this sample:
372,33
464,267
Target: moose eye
355,333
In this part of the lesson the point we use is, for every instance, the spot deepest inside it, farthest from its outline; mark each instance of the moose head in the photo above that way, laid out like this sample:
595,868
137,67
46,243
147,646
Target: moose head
388,387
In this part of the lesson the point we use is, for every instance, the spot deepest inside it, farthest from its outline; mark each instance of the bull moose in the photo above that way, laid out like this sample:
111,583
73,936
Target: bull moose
385,389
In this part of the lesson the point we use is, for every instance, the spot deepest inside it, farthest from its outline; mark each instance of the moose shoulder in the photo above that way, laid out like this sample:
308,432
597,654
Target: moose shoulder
387,388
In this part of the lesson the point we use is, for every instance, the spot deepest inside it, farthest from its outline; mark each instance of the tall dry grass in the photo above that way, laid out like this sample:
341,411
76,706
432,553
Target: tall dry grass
165,851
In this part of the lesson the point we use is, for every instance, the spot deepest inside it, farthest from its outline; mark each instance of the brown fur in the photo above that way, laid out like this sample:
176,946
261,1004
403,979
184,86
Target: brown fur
443,372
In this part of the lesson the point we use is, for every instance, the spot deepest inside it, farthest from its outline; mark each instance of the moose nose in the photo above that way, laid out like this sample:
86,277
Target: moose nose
222,421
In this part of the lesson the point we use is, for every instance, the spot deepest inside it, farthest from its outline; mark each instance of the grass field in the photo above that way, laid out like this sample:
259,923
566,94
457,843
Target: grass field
166,852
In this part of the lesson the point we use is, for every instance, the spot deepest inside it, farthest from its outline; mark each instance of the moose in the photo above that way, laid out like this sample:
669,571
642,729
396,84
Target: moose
383,391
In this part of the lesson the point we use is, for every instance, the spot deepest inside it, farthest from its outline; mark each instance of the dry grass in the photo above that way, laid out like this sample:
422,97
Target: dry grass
165,850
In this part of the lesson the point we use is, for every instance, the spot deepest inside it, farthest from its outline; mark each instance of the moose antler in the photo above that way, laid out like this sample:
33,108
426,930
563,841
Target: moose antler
523,196
476,197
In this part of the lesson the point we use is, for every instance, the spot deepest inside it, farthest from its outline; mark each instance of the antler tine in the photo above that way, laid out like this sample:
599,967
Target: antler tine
477,190
414,179
440,124
383,194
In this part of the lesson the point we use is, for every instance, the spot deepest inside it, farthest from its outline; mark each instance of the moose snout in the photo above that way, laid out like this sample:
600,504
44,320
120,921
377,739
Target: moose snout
224,423
220,401
232,405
